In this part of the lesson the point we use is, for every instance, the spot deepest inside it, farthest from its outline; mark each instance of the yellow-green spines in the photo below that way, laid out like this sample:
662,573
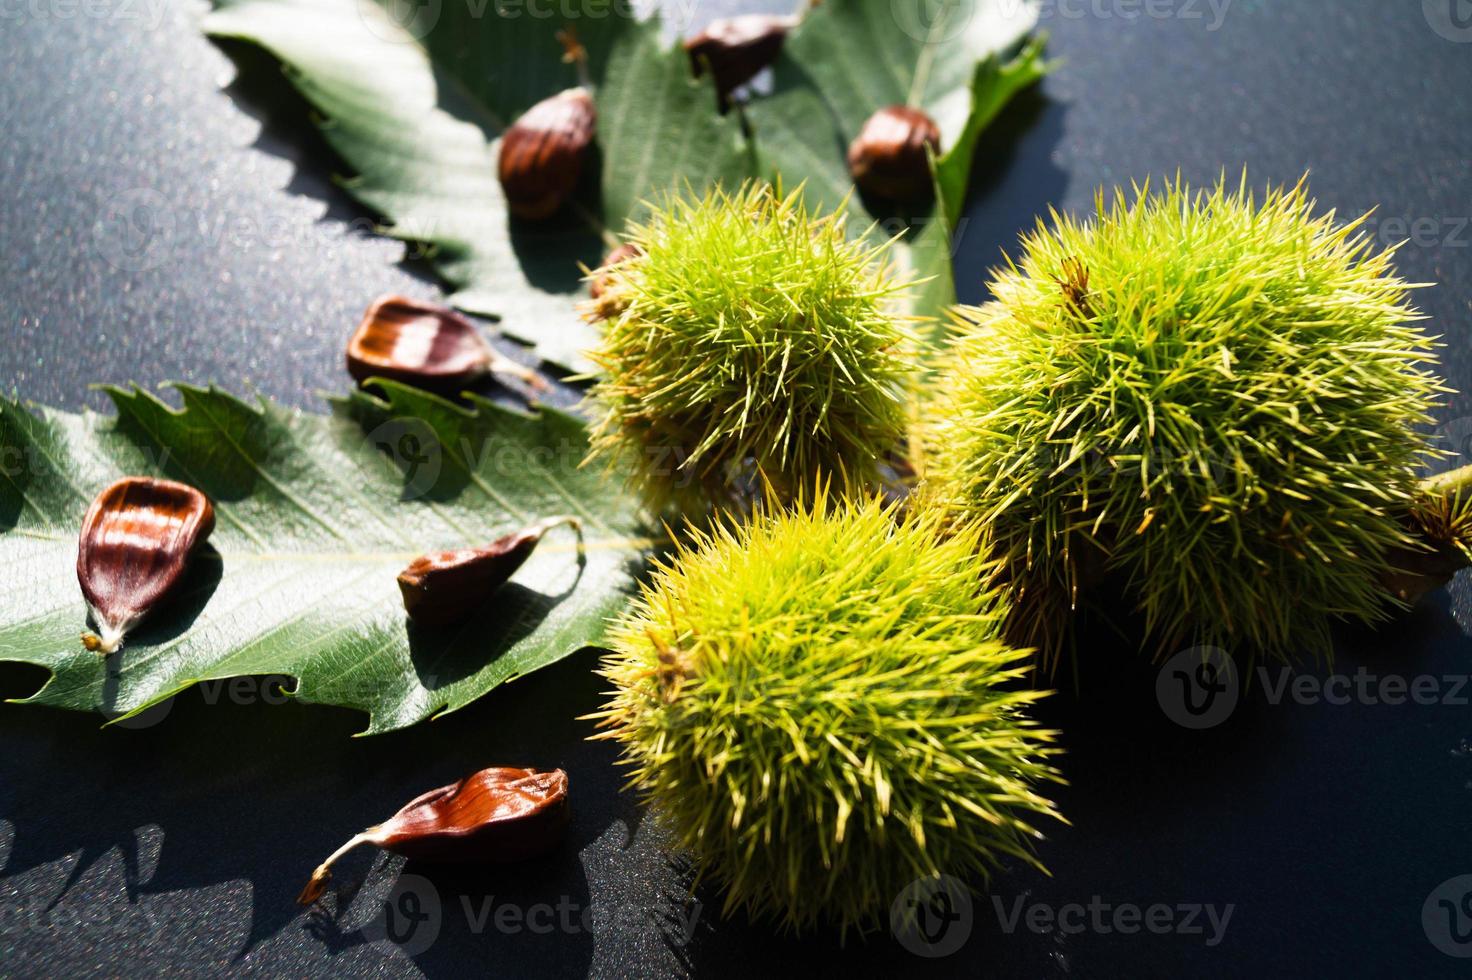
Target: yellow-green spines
749,336
820,708
1211,400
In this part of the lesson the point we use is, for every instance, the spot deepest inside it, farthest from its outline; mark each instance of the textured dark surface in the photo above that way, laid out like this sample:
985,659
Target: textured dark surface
179,846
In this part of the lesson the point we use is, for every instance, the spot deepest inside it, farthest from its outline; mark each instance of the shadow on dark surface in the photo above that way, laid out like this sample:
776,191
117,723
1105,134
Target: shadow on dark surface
287,786
444,654
1013,180
261,91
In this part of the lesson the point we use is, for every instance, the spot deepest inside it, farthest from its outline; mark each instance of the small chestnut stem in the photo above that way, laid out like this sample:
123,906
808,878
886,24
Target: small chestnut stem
503,365
108,639
317,884
574,53
548,523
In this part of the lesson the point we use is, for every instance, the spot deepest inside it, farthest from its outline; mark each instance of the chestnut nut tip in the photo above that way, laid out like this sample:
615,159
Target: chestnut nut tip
542,153
315,886
889,156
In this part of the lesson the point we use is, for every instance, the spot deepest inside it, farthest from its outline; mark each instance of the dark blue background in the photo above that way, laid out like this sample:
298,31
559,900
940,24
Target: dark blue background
180,846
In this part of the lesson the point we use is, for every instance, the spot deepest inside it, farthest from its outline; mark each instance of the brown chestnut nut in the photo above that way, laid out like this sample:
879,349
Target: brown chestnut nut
448,586
426,346
542,153
598,282
888,157
136,542
497,815
736,48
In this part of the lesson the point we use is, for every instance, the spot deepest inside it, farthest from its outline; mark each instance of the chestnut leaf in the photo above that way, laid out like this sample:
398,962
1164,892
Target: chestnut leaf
959,61
416,109
315,517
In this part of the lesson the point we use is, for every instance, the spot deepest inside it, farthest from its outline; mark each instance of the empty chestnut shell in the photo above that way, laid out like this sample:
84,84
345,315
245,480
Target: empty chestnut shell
888,157
542,153
425,345
497,815
737,48
447,586
136,542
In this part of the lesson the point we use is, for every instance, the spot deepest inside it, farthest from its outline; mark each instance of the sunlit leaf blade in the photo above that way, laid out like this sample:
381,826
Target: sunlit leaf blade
416,111
316,517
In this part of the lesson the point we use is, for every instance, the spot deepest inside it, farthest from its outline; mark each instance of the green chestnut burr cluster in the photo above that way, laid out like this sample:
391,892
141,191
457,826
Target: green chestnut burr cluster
1212,402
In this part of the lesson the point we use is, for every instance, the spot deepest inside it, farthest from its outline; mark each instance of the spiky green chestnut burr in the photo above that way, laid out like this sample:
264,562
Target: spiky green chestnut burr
748,340
819,707
1209,400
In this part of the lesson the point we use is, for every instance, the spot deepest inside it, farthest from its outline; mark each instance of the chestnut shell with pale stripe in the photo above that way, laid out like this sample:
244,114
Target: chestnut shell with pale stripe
419,344
136,542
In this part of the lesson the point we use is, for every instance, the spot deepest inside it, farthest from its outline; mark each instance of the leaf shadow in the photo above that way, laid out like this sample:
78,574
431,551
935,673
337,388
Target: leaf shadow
261,90
552,251
1014,178
278,789
531,908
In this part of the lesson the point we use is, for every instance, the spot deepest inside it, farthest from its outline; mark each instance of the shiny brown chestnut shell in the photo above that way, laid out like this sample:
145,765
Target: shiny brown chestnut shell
736,48
542,153
448,586
419,344
888,158
136,542
498,815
